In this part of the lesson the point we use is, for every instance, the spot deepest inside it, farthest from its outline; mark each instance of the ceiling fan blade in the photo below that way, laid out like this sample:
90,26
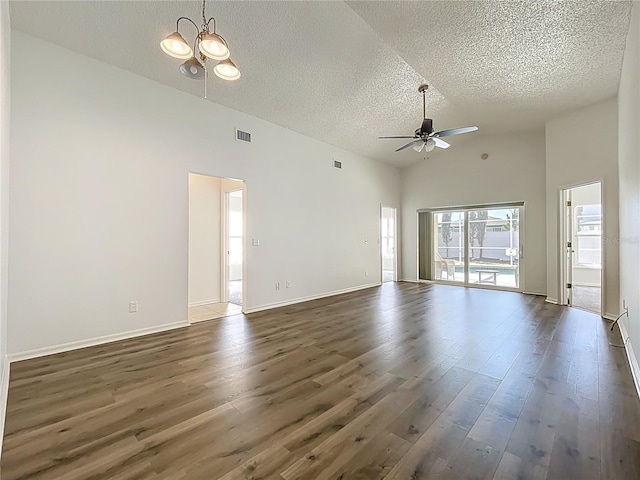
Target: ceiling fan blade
409,144
440,143
455,131
398,136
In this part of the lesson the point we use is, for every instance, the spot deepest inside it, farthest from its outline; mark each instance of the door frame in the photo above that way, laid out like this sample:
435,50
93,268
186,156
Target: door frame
395,240
430,231
564,275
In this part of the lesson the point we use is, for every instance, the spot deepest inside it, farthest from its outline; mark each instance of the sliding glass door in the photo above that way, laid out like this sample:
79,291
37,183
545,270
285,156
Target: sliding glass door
478,246
449,253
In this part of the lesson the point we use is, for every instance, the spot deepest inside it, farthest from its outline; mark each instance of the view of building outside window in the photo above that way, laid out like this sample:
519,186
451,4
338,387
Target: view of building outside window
588,228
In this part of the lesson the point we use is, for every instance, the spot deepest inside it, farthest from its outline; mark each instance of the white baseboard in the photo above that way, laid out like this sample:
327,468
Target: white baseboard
90,342
204,302
541,294
631,356
4,394
584,284
269,306
552,300
610,316
409,280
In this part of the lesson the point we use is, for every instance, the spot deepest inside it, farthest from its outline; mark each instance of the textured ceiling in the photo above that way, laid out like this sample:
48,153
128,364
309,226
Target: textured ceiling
347,72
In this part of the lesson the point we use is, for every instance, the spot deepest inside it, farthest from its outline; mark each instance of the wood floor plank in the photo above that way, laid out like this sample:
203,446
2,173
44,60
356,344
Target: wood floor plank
318,430
445,437
434,398
266,464
403,381
375,461
332,454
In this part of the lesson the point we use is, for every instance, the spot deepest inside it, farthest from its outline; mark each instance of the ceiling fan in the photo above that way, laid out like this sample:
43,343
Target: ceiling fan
424,137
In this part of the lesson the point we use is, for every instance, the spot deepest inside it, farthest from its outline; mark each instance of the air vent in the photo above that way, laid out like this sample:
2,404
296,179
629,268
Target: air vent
337,164
243,136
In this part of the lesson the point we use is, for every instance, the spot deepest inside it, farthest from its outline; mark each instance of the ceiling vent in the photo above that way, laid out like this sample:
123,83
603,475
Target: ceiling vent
243,136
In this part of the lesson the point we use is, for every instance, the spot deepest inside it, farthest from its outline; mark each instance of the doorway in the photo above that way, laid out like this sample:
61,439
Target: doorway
582,247
234,242
388,244
215,280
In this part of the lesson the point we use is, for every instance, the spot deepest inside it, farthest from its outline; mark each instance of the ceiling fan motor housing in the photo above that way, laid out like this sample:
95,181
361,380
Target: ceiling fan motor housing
426,128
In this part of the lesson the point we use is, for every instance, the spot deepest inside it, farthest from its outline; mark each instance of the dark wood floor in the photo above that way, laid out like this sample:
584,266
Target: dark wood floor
405,381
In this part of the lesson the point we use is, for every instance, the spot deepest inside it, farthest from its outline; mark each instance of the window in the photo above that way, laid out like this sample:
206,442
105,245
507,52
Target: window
588,228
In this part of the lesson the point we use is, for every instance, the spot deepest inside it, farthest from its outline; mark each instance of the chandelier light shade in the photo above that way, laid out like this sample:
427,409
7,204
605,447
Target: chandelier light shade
192,68
175,46
227,70
213,46
207,45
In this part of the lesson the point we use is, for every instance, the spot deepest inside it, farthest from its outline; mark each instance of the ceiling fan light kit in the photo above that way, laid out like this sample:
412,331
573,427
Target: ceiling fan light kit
208,45
424,138
427,146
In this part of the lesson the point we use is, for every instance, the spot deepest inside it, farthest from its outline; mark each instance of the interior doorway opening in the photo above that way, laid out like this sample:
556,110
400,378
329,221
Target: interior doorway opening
234,239
216,225
581,243
388,242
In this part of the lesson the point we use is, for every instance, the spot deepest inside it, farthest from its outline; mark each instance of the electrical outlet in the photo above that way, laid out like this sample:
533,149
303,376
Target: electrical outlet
277,285
288,284
133,306
624,304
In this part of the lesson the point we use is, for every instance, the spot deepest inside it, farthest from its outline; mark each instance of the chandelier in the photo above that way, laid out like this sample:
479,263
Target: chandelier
208,45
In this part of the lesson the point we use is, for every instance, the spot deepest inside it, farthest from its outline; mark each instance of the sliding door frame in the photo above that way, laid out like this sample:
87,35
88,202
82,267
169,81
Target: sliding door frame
426,239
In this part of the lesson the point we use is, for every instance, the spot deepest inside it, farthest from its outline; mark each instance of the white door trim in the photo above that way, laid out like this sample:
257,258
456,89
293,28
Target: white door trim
563,275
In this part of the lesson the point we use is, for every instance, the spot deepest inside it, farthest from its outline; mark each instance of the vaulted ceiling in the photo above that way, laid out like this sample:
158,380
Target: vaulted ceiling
347,72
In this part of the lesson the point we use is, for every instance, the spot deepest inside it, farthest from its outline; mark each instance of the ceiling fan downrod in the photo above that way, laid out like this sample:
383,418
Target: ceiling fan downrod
423,89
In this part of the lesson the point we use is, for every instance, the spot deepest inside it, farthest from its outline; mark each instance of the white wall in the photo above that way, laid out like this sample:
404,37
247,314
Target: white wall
629,175
204,239
582,147
5,51
513,172
99,202
586,195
